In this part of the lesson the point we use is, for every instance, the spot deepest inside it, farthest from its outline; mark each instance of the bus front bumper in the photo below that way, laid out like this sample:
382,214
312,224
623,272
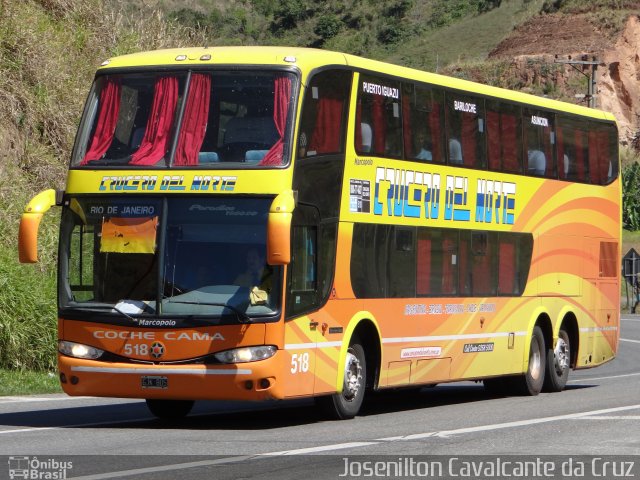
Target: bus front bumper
248,381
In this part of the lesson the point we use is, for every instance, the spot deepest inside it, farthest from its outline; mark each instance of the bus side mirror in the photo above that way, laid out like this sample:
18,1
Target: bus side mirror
279,229
30,223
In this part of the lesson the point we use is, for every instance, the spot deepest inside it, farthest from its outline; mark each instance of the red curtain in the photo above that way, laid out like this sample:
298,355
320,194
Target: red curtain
435,127
604,159
282,87
580,155
469,139
194,122
423,274
506,268
358,132
379,125
463,265
326,134
406,131
449,270
481,274
594,157
107,120
156,135
493,140
548,152
560,150
510,154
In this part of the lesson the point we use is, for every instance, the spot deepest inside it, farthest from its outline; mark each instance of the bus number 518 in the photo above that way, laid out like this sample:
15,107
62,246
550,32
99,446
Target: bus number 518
300,363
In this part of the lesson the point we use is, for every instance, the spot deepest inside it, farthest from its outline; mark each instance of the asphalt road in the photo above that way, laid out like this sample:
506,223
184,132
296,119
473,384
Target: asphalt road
93,438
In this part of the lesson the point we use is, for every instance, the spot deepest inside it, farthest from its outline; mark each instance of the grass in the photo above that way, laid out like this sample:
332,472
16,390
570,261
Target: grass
25,382
28,310
470,39
630,240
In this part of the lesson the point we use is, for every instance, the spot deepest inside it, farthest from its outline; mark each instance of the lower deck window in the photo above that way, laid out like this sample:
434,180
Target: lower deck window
392,261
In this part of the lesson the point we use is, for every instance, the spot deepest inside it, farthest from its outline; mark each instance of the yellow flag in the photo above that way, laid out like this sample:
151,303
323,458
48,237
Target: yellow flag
129,235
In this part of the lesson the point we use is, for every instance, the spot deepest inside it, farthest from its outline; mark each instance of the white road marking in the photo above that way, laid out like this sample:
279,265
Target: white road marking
341,446
76,425
164,468
629,340
612,417
35,398
322,448
222,461
517,423
578,380
23,430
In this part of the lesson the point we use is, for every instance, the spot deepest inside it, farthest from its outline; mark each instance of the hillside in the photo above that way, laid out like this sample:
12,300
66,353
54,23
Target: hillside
49,50
610,36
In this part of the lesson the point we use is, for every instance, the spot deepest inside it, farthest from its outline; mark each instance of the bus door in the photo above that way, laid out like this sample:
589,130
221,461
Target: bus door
301,327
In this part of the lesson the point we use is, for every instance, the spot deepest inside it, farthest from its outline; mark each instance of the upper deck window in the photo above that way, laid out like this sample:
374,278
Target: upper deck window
423,120
465,130
378,114
225,119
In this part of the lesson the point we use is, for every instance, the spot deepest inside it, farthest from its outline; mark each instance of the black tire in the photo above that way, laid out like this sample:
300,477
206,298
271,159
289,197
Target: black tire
531,382
170,409
558,363
346,404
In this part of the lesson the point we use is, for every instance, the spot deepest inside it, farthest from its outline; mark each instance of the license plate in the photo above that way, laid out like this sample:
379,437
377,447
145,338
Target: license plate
155,382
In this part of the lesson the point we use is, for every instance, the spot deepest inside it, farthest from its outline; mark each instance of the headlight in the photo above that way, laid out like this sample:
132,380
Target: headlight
78,350
246,354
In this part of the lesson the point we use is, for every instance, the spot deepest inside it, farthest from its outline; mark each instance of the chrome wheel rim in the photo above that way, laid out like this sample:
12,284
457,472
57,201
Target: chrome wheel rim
561,356
352,377
535,360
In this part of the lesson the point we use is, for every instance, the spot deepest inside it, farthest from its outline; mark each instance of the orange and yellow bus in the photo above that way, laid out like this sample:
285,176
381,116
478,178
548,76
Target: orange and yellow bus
274,223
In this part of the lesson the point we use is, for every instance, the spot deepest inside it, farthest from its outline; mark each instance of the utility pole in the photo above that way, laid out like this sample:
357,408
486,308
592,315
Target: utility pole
591,79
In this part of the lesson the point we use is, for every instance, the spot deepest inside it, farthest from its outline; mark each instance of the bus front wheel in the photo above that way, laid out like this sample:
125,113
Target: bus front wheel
558,364
169,409
346,404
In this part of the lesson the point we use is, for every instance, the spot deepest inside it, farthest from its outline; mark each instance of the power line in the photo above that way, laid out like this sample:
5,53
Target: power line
591,79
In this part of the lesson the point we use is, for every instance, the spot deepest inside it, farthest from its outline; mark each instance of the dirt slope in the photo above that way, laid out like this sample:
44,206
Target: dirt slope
556,34
618,75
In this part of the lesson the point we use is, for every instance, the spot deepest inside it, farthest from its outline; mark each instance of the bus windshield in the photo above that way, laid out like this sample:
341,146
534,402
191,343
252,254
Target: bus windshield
226,120
156,256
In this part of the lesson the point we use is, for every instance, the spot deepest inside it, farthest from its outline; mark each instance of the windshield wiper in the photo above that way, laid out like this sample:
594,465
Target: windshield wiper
242,317
114,308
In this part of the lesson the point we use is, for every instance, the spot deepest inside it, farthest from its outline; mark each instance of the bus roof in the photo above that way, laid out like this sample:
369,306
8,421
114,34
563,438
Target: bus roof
308,59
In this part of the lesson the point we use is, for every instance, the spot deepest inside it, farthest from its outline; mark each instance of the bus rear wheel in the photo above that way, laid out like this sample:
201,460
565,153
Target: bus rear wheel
346,404
531,382
558,364
169,409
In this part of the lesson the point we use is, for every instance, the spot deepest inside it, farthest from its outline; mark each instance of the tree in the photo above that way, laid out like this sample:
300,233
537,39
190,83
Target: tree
328,27
631,197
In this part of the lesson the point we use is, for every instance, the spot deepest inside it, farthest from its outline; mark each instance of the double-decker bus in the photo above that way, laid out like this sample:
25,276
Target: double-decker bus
274,223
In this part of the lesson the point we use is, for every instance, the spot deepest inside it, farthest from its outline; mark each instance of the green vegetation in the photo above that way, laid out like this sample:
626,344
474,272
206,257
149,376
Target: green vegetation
25,382
49,50
630,164
581,6
454,47
362,27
